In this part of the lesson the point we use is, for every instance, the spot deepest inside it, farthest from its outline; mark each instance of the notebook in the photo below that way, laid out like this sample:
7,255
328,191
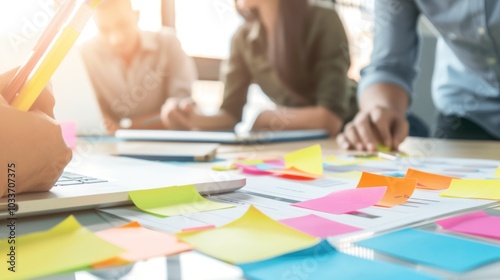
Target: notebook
201,152
221,137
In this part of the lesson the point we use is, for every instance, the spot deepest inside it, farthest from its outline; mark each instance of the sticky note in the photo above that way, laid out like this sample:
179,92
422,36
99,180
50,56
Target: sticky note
438,250
68,129
398,189
382,148
252,169
173,201
275,162
266,166
224,167
66,247
252,237
323,262
468,188
477,223
198,228
294,173
318,226
308,160
250,161
140,243
497,173
344,201
429,181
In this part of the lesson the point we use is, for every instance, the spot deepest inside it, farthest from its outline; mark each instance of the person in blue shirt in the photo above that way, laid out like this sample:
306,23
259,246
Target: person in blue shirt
466,77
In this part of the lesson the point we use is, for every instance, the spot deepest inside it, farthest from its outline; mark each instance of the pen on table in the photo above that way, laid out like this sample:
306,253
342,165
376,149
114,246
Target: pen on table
39,49
70,33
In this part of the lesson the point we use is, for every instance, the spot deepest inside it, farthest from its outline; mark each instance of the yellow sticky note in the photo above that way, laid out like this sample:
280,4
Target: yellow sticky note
309,160
173,201
140,243
250,161
481,189
252,237
497,173
66,247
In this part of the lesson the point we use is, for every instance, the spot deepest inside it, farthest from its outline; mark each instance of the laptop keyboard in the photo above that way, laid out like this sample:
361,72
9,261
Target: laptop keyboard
69,178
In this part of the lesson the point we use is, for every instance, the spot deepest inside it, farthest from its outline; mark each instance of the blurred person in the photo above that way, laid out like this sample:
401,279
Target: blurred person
31,145
466,77
297,52
134,72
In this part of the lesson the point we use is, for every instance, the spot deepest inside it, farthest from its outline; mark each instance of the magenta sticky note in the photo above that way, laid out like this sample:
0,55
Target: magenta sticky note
345,201
477,223
69,133
318,226
276,162
251,170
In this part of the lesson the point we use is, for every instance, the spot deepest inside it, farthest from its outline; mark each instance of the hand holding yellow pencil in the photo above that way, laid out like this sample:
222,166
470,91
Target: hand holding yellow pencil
35,84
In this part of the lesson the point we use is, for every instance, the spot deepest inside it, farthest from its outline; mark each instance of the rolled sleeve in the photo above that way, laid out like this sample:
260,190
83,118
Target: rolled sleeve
332,64
396,46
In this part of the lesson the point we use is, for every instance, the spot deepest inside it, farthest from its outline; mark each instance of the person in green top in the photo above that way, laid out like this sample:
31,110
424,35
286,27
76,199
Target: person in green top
297,52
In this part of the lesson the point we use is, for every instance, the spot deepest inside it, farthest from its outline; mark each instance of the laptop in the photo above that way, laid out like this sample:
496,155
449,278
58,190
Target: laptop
103,181
221,137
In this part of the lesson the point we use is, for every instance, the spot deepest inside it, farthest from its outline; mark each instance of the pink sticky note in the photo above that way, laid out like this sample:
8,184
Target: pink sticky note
477,223
140,243
68,129
198,228
252,170
276,162
345,201
318,226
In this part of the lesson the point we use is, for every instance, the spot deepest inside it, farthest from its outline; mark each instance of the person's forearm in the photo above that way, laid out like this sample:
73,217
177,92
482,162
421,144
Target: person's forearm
219,121
286,118
384,95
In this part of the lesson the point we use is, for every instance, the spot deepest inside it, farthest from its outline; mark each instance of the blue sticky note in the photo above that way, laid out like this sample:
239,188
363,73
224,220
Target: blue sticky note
322,261
439,250
265,167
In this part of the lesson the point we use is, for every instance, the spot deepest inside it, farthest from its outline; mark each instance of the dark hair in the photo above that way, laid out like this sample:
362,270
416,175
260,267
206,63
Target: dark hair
286,49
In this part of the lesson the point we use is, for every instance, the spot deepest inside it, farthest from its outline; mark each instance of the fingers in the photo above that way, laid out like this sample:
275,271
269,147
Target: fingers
366,133
400,130
382,125
45,102
368,129
176,114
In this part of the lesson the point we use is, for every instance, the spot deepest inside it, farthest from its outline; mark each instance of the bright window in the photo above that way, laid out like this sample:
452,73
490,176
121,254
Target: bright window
205,27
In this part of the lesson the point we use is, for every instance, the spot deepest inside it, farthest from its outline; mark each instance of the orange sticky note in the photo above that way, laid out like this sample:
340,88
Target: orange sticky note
429,181
398,189
140,243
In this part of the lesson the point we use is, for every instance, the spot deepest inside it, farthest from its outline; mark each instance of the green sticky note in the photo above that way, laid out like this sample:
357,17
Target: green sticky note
64,248
173,201
252,237
382,148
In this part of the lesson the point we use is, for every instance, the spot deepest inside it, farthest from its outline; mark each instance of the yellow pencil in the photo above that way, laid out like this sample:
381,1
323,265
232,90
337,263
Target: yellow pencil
34,86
